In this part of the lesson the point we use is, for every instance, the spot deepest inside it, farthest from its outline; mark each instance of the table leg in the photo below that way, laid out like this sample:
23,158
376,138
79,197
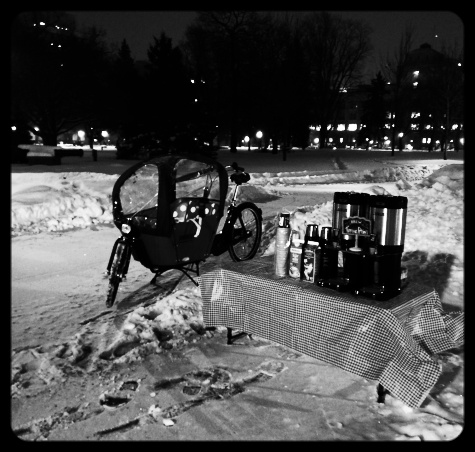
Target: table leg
232,338
381,393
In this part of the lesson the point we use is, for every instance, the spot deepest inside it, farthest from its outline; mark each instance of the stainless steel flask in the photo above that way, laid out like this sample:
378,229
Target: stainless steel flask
349,204
388,217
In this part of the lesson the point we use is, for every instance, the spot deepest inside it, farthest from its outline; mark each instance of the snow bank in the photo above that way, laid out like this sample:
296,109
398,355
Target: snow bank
385,174
48,202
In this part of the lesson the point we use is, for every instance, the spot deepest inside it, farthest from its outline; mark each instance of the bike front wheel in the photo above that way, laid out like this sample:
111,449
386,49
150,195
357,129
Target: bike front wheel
116,273
245,232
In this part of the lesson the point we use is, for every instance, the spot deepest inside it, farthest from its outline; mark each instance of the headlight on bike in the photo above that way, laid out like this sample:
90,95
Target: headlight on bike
125,228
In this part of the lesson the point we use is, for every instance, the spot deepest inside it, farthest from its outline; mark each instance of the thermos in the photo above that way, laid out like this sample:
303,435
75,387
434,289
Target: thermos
311,232
329,254
282,244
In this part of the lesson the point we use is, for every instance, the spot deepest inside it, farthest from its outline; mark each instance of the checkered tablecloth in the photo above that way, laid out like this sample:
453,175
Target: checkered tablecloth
393,342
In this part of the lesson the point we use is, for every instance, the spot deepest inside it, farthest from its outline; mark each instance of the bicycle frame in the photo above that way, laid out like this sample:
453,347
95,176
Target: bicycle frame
222,240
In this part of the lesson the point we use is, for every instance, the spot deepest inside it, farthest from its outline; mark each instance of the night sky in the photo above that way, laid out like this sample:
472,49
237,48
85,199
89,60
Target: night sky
139,27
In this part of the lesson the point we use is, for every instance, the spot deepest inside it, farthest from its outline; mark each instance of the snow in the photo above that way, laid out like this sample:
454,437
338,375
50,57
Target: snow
48,202
51,202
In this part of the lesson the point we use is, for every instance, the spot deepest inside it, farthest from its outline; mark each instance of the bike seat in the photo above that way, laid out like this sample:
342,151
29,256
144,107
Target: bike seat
240,178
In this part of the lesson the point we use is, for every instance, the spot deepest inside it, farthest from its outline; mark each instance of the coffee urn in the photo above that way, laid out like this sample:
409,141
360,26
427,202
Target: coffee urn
349,204
388,220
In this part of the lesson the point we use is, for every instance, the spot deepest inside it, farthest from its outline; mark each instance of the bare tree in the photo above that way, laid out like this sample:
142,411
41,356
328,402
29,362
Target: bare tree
446,84
396,69
229,36
336,49
49,88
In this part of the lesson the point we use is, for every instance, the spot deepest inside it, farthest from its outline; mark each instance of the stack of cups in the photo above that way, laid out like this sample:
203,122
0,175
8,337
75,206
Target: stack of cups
282,245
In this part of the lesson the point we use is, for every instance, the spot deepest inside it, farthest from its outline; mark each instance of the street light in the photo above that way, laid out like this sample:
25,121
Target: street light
247,140
259,137
400,140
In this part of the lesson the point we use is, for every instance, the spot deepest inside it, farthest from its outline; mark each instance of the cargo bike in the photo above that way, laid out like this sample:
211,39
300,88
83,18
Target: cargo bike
169,209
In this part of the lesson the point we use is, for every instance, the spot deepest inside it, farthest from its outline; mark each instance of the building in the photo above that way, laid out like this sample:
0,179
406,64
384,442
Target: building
431,82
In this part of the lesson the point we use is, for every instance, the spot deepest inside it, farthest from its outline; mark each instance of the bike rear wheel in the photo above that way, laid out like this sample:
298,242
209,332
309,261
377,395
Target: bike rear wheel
116,273
246,232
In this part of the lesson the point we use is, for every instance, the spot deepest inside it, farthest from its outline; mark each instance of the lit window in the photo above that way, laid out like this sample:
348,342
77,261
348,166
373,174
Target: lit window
341,127
416,73
415,115
455,127
415,84
341,140
330,140
414,126
423,141
352,127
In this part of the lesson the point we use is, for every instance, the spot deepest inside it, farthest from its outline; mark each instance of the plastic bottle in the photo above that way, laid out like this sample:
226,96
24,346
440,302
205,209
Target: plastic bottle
295,256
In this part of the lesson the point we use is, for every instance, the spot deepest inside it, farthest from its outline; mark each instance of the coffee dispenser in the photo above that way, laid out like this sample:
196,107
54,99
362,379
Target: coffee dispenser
349,204
388,219
350,223
368,235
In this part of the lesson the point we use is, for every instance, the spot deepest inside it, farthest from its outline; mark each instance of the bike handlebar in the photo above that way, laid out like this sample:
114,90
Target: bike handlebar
235,167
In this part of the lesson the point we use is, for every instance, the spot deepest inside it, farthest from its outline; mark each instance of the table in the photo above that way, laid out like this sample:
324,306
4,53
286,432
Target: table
394,342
